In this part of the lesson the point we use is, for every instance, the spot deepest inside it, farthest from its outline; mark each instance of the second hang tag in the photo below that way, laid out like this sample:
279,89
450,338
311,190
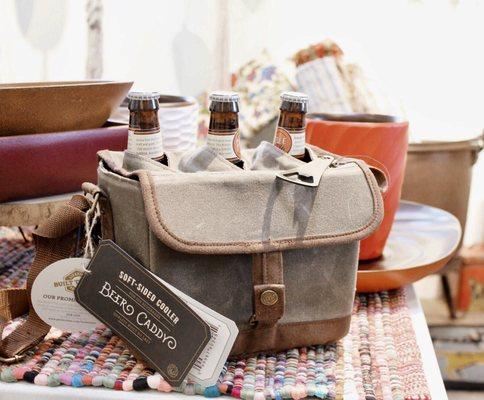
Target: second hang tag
53,297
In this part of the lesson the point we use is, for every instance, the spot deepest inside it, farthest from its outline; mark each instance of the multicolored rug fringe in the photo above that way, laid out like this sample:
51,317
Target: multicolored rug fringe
378,359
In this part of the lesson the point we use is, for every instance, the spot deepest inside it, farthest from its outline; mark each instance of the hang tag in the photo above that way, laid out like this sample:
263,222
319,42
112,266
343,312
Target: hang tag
154,321
209,364
53,297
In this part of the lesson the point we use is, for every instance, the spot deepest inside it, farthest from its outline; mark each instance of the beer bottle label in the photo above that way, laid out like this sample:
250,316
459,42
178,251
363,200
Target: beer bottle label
292,141
146,143
225,143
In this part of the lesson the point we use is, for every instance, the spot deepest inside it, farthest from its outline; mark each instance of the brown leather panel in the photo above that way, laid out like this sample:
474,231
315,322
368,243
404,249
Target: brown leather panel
269,297
286,336
267,268
107,224
268,314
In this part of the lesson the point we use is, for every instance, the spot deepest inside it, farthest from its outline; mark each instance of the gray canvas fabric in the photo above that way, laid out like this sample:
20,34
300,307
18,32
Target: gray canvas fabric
269,157
133,162
198,226
260,208
205,159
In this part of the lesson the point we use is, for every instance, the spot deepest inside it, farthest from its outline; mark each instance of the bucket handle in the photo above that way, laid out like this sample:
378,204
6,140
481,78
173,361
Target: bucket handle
477,146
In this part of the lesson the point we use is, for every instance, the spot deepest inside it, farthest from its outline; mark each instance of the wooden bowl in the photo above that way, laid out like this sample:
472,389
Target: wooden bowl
422,240
38,107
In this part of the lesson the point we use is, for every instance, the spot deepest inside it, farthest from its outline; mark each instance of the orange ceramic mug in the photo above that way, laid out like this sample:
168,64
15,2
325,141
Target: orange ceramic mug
379,140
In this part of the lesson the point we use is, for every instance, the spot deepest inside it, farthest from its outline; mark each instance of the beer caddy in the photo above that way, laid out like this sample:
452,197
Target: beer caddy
272,246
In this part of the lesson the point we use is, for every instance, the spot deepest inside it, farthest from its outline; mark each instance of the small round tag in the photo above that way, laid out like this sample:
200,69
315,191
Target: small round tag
53,296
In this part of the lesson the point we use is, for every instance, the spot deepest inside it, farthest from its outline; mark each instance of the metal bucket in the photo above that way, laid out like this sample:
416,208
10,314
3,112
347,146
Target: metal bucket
439,174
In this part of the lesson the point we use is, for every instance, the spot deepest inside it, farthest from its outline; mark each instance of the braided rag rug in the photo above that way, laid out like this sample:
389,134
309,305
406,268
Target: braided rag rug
378,359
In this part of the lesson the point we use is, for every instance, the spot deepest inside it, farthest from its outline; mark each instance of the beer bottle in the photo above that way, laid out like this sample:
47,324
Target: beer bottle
290,134
223,130
144,136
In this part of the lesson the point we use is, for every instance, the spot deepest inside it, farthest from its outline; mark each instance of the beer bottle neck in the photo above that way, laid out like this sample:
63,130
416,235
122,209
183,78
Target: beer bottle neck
144,119
224,107
223,121
143,105
223,135
292,119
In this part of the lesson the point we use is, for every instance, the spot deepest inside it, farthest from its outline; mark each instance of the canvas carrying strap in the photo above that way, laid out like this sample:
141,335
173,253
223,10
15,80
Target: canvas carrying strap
55,239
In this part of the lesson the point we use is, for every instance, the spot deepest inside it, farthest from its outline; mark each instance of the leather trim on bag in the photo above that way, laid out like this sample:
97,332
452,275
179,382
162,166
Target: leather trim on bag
107,223
286,336
269,290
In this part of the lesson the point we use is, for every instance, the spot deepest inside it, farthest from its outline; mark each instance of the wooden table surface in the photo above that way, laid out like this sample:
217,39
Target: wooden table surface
32,211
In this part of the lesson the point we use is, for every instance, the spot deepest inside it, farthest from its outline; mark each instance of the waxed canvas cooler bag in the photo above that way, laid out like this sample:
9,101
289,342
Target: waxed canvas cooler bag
273,246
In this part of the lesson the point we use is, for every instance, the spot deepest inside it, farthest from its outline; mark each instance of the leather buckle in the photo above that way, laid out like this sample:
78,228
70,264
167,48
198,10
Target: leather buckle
308,174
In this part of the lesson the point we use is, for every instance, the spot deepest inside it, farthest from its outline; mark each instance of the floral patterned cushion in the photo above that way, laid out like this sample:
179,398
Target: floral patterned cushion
259,84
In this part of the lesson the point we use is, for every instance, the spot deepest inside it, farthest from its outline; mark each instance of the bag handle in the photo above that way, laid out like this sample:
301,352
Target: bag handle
55,239
378,169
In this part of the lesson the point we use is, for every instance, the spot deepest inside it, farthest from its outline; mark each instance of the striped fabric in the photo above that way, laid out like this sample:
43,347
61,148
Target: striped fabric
321,80
378,359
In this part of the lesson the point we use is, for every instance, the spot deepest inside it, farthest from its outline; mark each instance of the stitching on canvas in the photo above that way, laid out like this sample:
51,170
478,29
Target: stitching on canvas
146,179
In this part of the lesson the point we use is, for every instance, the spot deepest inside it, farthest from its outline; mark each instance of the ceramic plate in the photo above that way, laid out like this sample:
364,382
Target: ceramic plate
422,241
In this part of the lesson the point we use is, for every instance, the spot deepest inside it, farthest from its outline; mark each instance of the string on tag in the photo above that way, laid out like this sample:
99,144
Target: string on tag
92,216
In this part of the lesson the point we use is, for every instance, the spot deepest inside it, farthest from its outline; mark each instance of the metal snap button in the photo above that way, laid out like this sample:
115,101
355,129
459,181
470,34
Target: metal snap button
269,297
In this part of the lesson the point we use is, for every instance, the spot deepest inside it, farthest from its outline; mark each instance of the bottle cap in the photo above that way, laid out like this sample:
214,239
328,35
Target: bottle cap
224,97
295,97
143,95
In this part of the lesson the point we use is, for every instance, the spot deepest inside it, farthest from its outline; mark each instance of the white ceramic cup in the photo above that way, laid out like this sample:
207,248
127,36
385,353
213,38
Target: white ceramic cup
178,122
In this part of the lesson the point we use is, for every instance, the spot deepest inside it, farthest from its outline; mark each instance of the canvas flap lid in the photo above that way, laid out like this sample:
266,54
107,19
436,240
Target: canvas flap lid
230,212
252,211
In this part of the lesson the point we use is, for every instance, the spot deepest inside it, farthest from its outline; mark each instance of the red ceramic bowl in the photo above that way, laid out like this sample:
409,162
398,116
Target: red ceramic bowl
379,140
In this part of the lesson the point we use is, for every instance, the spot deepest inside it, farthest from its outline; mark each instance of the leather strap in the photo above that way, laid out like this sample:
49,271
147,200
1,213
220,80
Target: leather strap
55,239
269,289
